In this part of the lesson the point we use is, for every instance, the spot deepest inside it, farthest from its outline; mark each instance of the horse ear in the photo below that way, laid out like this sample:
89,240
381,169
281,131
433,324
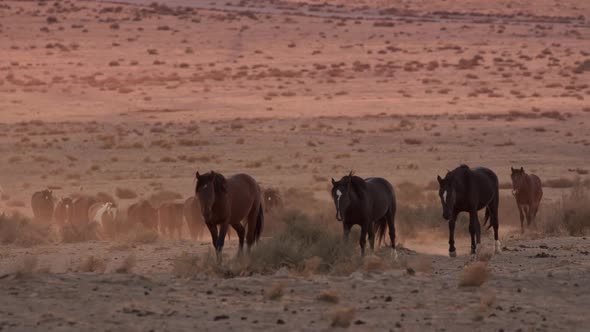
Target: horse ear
440,180
333,182
512,169
522,169
197,175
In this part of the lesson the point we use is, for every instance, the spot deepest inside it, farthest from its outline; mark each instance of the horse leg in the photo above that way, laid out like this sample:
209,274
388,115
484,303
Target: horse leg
363,238
241,232
472,232
214,236
251,231
452,249
221,240
391,225
520,210
477,228
495,224
371,233
346,231
528,212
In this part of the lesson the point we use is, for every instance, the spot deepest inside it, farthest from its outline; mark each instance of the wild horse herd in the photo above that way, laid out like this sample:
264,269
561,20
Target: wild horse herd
238,201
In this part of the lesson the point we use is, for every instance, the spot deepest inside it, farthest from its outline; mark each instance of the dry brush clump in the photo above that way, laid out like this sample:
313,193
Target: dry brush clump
299,239
474,274
18,230
570,215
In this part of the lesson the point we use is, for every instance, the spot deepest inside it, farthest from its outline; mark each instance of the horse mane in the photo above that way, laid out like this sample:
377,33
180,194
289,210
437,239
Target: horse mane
358,184
219,183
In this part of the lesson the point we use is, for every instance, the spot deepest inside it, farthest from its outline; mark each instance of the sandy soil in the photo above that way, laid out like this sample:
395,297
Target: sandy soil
535,285
96,96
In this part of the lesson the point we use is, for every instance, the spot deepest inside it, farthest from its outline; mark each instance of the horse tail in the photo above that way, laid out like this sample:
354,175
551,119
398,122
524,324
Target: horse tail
259,223
380,231
487,217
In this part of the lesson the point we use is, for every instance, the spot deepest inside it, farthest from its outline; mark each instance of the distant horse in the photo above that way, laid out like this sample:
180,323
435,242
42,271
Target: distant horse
143,213
226,202
42,205
170,217
369,203
103,216
527,190
81,206
63,213
272,199
193,217
470,190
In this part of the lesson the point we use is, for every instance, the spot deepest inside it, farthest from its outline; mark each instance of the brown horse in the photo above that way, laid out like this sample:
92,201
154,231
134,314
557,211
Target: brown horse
193,217
272,199
226,202
64,212
170,219
143,213
42,205
527,190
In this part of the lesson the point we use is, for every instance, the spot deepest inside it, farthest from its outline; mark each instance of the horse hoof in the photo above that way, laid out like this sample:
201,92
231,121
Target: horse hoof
394,254
498,247
452,253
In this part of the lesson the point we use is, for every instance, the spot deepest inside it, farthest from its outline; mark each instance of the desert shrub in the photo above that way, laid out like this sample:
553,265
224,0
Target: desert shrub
125,193
570,215
71,233
18,230
415,218
300,239
474,274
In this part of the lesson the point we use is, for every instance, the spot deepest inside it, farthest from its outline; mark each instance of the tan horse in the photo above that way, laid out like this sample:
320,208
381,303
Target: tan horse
528,191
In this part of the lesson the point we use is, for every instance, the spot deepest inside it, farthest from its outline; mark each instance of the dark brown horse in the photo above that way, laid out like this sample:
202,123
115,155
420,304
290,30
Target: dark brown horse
42,204
527,190
369,203
226,202
469,190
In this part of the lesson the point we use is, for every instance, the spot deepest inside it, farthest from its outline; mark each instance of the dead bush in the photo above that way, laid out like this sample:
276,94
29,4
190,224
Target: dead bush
92,264
18,230
330,296
474,274
275,291
570,216
342,317
298,240
125,193
127,265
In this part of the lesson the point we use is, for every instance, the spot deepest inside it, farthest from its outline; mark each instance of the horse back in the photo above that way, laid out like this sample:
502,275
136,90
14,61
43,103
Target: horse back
381,195
244,193
536,187
485,186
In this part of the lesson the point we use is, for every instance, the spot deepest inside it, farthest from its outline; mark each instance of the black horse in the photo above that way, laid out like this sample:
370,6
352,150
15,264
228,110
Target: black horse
369,203
470,190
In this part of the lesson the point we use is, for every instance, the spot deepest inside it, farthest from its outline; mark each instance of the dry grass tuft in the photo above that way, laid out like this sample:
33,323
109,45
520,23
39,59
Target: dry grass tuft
373,264
125,193
185,266
276,291
486,301
92,264
569,216
18,230
342,317
127,265
474,274
330,296
26,267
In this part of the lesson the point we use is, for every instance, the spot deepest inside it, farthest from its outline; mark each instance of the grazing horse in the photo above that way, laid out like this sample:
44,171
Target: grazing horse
103,216
80,208
527,190
63,213
369,203
193,217
42,205
272,199
170,219
227,201
143,213
470,190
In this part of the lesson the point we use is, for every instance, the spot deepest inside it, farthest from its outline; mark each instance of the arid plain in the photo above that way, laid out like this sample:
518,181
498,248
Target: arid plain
100,97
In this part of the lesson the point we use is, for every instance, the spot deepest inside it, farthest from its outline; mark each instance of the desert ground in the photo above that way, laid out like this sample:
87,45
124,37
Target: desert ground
131,98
